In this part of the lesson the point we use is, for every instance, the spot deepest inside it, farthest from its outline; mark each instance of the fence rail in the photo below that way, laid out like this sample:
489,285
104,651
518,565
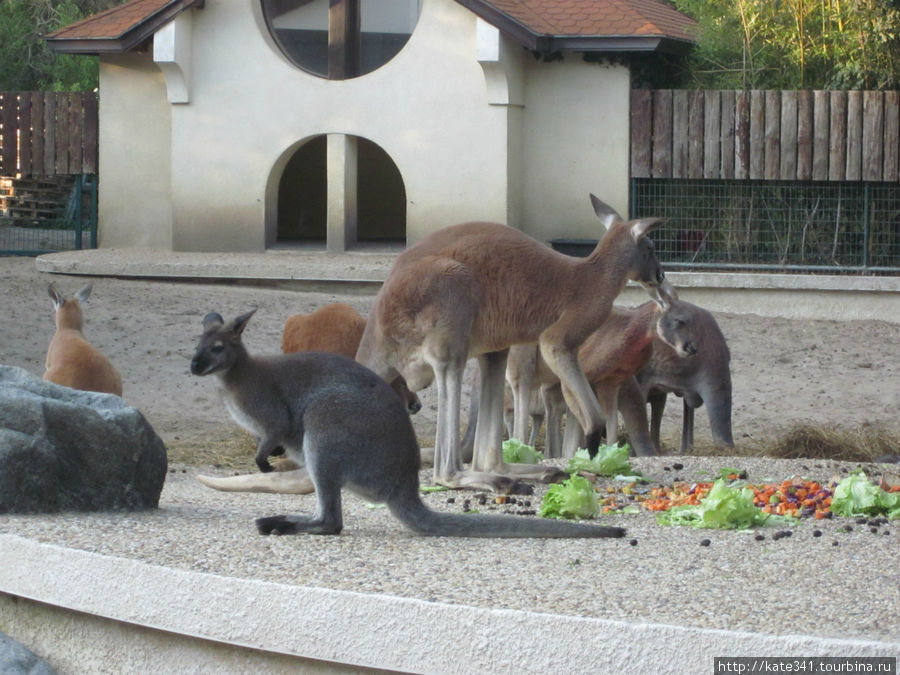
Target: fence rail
766,135
48,133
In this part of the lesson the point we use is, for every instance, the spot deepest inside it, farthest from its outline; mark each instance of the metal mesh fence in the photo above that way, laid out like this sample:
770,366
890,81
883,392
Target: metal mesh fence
46,214
774,225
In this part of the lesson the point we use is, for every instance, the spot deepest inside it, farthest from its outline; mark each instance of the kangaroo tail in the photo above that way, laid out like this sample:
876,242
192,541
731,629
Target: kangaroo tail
422,520
296,482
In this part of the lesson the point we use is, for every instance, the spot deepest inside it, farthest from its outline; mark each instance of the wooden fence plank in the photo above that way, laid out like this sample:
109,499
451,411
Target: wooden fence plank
757,134
712,134
821,125
854,135
61,122
25,133
837,134
49,133
695,134
662,133
680,140
75,126
8,112
804,135
37,133
873,136
726,136
742,135
891,170
773,135
641,119
787,163
91,133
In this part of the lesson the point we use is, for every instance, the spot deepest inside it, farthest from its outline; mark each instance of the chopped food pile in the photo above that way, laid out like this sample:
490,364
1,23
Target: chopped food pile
727,502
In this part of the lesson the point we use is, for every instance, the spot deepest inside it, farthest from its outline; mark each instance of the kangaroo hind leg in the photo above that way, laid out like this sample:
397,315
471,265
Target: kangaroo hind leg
327,518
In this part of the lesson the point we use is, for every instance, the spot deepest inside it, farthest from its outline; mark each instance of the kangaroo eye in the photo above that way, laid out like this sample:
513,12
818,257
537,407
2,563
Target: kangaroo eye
217,348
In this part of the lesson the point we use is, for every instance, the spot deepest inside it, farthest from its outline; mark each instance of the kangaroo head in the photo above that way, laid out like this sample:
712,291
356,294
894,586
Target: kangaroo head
674,325
634,248
68,312
220,345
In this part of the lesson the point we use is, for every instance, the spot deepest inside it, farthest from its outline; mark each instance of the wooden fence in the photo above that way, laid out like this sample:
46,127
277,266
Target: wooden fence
766,135
48,133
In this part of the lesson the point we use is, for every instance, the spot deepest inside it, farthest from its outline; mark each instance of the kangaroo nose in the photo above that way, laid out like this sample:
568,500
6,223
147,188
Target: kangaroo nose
660,275
690,348
196,366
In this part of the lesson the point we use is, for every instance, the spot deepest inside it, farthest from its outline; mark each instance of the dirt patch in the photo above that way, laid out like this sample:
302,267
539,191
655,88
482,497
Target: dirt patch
844,375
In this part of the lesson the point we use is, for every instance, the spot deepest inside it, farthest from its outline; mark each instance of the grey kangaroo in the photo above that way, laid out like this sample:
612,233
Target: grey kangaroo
349,428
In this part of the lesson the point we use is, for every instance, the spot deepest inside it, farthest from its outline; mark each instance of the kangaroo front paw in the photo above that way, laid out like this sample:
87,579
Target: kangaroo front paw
276,525
263,464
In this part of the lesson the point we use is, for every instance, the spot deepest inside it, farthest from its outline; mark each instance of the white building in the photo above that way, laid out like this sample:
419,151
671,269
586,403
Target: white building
242,125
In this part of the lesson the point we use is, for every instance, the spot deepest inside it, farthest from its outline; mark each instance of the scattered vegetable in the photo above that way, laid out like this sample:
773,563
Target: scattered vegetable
517,452
856,495
573,498
609,461
722,507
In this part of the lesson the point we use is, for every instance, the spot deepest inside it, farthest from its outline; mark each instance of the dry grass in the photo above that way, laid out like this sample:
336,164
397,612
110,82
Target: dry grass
236,452
800,441
862,444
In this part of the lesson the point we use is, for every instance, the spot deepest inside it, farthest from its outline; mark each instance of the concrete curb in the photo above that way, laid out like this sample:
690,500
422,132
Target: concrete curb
790,296
375,631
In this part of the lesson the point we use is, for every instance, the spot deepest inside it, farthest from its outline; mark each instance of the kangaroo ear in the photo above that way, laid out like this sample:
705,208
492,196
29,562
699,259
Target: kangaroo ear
641,228
664,294
607,214
240,322
55,296
212,319
85,292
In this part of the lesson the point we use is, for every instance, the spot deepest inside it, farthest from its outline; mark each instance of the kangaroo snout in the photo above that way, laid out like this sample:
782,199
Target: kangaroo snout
687,349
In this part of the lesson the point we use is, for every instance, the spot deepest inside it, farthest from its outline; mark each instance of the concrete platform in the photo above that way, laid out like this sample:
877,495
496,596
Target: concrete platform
792,296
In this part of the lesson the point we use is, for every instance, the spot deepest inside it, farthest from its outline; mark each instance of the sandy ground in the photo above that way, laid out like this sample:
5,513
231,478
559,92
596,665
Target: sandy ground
784,371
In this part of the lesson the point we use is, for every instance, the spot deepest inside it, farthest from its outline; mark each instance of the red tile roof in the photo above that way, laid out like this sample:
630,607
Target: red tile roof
543,25
119,28
598,17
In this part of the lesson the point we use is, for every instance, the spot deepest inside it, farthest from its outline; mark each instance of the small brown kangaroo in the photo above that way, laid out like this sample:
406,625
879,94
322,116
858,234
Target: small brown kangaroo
72,361
348,427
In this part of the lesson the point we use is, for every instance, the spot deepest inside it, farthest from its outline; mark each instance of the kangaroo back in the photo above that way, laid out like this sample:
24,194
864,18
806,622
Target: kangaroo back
335,328
72,361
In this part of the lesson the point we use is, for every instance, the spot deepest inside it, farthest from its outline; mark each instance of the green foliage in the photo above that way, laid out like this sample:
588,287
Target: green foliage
795,44
26,63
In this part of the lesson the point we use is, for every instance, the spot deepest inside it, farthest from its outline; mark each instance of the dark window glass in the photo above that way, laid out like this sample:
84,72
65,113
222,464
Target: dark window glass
340,39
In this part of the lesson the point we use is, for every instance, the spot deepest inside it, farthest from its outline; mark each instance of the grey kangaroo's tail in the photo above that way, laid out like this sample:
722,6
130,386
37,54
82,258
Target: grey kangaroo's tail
422,520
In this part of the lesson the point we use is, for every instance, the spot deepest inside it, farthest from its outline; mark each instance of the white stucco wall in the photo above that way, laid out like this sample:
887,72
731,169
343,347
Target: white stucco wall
207,170
134,201
576,142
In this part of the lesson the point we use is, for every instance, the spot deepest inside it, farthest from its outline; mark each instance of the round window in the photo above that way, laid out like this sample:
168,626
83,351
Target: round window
340,39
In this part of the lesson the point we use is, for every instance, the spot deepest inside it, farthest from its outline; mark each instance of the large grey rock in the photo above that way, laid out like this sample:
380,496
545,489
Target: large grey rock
68,450
17,660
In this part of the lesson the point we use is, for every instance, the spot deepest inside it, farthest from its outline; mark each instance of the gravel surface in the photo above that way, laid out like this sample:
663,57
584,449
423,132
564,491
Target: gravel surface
837,584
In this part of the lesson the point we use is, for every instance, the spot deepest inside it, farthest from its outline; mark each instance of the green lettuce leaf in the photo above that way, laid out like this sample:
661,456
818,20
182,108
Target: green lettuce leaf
609,461
723,507
517,452
856,495
574,498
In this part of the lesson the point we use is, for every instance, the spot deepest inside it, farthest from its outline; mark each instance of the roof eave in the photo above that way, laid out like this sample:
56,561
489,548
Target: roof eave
620,44
128,40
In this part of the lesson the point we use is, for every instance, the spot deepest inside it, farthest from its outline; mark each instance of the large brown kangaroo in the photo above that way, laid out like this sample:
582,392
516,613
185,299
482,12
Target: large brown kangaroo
346,425
474,290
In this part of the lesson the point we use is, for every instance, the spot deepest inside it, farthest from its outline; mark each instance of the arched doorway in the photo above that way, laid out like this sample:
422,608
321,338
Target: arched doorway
342,192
